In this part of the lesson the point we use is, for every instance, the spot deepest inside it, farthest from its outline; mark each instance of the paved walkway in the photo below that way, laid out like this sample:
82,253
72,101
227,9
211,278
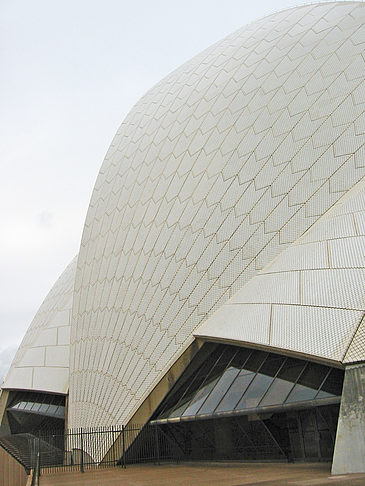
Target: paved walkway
207,475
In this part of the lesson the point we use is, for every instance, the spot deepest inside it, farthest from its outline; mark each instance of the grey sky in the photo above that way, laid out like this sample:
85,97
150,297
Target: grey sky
71,71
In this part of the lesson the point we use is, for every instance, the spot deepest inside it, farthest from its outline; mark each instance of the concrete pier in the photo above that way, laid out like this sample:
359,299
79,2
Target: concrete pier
349,455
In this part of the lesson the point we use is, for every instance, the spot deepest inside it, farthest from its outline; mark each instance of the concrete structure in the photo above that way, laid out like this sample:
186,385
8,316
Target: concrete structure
350,442
42,360
229,208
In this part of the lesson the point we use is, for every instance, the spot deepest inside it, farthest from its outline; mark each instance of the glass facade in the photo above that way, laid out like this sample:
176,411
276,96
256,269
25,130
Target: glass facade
233,379
34,412
296,435
244,404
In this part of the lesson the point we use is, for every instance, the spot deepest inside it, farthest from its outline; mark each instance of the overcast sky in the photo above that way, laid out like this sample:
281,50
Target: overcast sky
70,72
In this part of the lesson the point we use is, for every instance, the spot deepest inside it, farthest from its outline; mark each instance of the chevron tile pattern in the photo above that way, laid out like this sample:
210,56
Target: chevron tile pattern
42,360
355,351
215,172
310,298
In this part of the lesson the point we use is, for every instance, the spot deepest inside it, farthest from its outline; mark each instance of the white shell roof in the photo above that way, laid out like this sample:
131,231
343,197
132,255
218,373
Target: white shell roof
311,298
42,360
216,171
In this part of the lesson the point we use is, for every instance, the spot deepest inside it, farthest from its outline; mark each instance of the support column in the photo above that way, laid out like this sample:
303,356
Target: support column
4,424
349,455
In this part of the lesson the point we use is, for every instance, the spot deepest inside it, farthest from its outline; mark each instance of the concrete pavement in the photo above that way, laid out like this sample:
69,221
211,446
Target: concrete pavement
201,474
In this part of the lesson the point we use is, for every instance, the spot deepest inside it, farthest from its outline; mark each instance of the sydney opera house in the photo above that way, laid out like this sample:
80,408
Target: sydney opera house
219,287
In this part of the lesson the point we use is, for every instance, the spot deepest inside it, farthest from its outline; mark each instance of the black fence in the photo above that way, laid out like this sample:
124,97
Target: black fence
83,449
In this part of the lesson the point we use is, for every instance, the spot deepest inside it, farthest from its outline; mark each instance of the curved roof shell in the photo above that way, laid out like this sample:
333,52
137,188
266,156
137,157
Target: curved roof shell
42,360
217,170
310,299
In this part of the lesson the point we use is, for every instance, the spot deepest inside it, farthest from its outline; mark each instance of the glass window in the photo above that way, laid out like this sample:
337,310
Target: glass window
185,381
196,382
254,361
52,409
44,408
277,393
313,375
220,389
222,363
177,412
210,382
60,411
332,386
301,393
255,392
235,391
283,383
36,407
199,398
271,365
308,383
240,358
227,378
291,370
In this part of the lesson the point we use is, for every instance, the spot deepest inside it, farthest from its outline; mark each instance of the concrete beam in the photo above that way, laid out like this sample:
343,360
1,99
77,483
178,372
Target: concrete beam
349,455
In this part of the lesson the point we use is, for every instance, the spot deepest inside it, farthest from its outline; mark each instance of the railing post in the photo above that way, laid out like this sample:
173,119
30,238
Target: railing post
113,445
36,465
123,435
33,453
39,457
82,452
157,445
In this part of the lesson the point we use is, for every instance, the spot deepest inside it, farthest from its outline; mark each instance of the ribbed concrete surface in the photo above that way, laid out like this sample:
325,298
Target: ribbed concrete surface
212,474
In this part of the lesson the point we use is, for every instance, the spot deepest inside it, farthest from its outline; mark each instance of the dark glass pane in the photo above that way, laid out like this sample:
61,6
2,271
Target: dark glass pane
325,444
235,391
220,389
165,413
295,437
333,385
186,380
313,375
177,412
240,358
308,383
207,379
272,365
210,382
196,382
44,408
277,393
222,363
283,383
291,370
52,409
301,393
255,392
60,411
309,430
199,398
255,361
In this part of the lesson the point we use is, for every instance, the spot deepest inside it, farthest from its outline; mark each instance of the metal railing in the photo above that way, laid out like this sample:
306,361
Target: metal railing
88,448
36,472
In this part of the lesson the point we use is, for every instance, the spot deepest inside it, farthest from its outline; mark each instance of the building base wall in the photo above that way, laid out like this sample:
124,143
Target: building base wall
349,455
